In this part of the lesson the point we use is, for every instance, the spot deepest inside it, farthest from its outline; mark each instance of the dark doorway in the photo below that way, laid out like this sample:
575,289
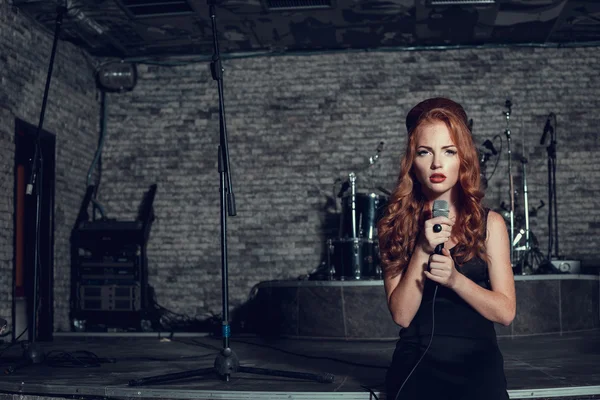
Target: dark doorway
24,230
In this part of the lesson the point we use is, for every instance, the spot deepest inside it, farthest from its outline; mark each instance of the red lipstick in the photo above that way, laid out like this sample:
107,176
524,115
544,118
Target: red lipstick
437,178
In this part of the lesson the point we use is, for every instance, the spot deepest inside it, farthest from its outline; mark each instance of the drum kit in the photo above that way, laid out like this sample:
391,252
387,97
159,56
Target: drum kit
354,253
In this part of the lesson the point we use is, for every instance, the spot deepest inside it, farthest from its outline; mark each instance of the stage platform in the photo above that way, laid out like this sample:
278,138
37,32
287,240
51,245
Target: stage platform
357,309
552,349
537,367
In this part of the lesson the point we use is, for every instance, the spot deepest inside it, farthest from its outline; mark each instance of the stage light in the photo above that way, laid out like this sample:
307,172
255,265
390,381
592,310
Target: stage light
117,76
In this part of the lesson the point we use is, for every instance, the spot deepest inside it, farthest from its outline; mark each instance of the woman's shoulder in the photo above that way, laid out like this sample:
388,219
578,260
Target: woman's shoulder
494,222
494,217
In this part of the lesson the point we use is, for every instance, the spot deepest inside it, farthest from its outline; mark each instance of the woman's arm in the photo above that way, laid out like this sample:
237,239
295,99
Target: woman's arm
405,291
499,303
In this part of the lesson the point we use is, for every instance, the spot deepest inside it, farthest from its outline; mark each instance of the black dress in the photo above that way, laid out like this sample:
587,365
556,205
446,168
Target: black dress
463,362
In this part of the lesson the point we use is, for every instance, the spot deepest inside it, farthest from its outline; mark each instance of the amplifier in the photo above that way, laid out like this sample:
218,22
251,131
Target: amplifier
567,266
107,271
109,297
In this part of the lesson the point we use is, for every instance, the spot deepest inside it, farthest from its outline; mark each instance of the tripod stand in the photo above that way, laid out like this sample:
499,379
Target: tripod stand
508,105
31,352
226,362
532,257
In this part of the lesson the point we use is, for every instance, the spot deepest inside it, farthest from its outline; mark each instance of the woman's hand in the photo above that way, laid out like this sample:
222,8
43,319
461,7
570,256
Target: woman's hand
442,270
432,237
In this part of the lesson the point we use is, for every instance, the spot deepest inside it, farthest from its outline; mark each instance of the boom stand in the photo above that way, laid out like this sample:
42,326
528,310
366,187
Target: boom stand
31,353
507,113
227,362
552,210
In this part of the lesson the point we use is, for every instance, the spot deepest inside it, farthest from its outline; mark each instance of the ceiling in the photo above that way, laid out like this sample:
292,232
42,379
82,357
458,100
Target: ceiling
163,28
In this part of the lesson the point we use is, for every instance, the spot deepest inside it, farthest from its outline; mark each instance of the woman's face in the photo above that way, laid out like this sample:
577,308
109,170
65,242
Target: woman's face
436,163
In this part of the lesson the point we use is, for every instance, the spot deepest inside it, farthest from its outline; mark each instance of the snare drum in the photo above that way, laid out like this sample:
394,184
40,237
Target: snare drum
349,258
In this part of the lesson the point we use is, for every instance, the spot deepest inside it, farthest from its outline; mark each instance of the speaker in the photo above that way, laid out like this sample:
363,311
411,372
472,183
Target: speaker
567,266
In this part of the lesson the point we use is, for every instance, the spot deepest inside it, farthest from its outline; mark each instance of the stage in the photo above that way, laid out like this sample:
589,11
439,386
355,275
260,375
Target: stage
357,309
544,366
552,349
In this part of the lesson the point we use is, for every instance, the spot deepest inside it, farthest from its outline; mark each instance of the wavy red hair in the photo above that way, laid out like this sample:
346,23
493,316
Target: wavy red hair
407,209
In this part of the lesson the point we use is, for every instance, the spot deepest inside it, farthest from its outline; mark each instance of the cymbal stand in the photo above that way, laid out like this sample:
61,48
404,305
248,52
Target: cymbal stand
524,162
508,105
532,257
526,203
356,230
352,177
527,248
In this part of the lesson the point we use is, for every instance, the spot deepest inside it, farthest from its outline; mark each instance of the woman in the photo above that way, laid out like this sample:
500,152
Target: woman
446,303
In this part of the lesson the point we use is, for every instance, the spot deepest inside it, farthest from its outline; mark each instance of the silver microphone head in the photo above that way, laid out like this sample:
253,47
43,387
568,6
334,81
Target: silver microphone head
440,208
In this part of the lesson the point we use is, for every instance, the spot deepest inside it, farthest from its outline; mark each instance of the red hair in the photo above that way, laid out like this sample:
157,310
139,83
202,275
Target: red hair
399,228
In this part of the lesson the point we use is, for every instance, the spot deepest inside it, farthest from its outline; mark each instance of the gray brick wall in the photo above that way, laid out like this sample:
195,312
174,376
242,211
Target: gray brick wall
72,115
296,123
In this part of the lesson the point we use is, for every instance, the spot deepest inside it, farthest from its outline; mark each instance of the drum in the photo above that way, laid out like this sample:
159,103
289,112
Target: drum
353,258
369,209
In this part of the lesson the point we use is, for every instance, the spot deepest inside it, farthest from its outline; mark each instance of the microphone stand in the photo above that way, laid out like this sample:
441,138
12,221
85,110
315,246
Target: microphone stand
508,105
31,353
552,207
226,362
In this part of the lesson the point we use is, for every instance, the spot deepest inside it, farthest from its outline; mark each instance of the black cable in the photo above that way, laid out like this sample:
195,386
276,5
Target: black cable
14,342
76,359
170,319
371,392
430,340
497,158
157,359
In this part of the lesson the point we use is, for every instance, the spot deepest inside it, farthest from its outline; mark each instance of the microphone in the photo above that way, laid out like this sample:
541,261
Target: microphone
547,128
440,209
490,146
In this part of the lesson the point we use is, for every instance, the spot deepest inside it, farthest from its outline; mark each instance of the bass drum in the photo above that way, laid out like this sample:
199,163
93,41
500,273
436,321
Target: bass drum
353,259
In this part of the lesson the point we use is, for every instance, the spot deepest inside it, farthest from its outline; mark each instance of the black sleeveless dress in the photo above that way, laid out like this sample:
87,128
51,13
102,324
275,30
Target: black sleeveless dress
463,362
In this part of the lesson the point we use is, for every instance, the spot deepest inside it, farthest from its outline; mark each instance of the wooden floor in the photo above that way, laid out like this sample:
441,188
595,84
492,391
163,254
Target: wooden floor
550,366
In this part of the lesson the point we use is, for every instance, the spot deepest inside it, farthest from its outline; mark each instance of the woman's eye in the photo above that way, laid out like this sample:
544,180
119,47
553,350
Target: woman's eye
422,152
451,152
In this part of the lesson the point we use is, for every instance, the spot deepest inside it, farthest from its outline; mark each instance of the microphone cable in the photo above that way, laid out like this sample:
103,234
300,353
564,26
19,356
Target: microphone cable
428,345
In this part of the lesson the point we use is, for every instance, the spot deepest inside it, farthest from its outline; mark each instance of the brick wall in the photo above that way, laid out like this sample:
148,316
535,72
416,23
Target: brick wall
71,114
296,123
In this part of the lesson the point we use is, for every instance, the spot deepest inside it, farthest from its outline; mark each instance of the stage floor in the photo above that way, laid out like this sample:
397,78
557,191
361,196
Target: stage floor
548,366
